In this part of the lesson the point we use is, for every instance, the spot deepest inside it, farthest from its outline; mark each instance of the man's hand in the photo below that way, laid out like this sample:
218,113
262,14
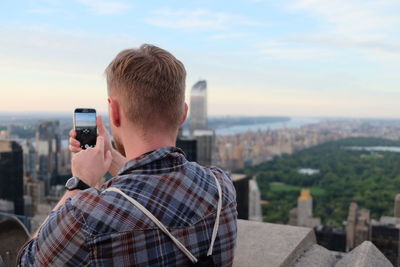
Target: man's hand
75,145
118,160
91,164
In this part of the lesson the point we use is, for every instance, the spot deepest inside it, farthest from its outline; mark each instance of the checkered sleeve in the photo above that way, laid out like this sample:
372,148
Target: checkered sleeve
61,241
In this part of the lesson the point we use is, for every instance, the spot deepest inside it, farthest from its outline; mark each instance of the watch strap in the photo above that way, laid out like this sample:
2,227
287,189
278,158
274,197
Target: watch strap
82,185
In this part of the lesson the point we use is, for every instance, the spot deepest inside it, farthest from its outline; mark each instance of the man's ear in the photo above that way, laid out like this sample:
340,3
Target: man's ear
185,112
115,112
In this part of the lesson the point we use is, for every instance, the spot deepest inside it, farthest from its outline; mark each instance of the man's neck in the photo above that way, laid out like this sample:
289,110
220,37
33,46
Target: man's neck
136,145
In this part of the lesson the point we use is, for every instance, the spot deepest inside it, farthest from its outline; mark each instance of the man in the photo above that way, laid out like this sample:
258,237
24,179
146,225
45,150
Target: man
158,209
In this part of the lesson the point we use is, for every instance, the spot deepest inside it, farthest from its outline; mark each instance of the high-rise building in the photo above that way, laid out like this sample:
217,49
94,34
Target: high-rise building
255,213
305,210
332,238
357,226
205,146
397,206
11,174
29,159
351,225
198,128
241,184
48,146
198,107
34,188
188,144
362,227
385,235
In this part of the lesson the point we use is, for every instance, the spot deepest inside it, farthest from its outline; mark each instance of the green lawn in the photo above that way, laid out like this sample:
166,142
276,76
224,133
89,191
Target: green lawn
315,190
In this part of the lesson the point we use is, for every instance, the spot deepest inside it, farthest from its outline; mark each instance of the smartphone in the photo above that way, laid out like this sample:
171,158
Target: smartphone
85,126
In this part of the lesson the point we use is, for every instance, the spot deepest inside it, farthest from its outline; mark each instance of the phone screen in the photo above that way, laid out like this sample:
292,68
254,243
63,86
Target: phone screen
85,126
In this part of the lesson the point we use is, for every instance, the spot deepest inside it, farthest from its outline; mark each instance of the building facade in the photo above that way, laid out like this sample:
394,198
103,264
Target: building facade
11,174
198,107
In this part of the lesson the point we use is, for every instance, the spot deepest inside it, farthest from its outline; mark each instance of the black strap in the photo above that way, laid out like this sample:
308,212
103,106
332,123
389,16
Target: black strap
204,261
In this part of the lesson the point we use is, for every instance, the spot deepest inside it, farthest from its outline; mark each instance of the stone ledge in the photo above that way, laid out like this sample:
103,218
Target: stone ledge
317,256
270,245
365,255
275,245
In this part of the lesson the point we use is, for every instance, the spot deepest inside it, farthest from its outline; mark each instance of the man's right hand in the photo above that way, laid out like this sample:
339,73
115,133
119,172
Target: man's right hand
118,160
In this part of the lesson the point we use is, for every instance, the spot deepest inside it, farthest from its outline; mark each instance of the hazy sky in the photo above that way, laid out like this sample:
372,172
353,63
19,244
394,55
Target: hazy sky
295,57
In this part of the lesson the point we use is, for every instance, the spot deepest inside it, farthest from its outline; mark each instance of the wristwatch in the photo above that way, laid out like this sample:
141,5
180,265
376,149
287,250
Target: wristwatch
75,183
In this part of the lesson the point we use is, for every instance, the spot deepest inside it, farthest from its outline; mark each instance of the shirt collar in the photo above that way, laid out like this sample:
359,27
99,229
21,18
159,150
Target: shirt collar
149,157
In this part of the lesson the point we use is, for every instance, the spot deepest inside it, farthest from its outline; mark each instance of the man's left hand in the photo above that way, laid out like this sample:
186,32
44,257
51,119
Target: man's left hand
91,164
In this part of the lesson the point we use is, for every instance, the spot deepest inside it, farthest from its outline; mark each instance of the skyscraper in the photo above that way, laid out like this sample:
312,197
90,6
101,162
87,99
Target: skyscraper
198,107
305,210
385,235
11,174
48,146
241,184
29,156
351,226
198,125
397,206
188,145
205,146
357,226
255,213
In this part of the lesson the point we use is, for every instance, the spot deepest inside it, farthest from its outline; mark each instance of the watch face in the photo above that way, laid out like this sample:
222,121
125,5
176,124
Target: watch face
72,183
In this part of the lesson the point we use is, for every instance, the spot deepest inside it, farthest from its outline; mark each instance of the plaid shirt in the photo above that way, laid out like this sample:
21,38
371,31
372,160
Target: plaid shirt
104,229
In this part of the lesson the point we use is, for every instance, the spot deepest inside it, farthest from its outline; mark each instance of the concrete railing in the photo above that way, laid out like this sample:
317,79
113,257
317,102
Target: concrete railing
276,245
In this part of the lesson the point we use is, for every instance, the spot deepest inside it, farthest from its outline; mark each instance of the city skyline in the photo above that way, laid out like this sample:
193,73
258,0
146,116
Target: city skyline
297,57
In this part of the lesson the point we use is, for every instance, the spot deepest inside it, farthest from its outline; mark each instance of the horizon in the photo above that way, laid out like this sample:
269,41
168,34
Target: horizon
211,116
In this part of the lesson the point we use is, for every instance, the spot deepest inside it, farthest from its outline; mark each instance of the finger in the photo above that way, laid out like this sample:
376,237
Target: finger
100,126
74,142
72,133
74,149
100,143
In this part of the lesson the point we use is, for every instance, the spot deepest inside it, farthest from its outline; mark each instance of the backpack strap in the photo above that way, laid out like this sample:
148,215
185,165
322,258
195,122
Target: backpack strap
216,223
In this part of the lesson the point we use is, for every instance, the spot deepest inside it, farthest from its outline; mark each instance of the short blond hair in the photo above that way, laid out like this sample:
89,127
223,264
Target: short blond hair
151,84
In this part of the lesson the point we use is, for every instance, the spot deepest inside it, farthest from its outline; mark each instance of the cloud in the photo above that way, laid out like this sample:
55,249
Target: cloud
367,28
43,49
43,10
104,7
359,17
282,50
200,19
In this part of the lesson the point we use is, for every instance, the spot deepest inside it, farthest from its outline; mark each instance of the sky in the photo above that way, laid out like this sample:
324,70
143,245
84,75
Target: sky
322,58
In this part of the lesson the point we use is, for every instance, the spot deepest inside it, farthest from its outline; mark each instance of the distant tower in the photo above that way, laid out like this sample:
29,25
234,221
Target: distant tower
304,207
255,213
351,225
48,146
29,154
198,125
362,227
11,175
397,206
198,107
304,210
357,226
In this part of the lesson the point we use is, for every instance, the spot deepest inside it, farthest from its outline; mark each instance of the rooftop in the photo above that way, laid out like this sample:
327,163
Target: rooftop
272,245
